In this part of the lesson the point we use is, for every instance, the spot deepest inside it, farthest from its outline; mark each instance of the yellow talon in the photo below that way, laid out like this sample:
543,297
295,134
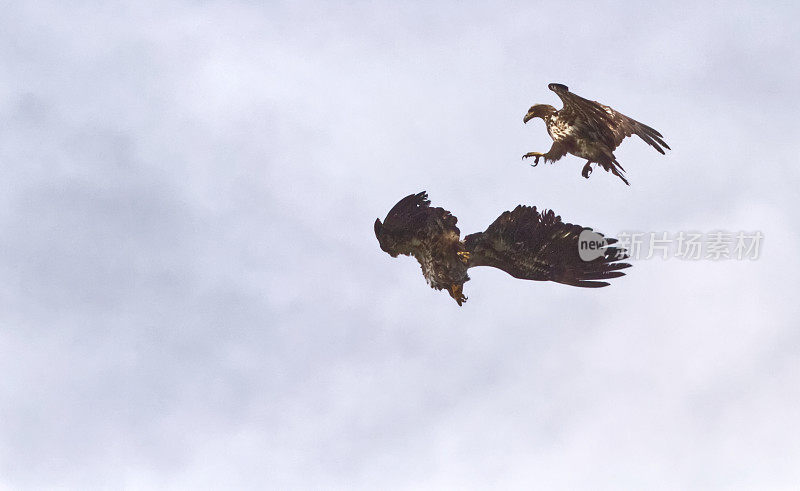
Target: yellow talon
464,255
457,292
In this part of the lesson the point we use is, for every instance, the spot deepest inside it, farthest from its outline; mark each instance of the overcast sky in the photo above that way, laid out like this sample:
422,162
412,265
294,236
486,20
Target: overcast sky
192,296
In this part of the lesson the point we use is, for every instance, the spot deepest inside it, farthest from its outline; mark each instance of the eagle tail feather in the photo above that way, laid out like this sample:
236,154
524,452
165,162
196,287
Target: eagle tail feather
616,169
651,137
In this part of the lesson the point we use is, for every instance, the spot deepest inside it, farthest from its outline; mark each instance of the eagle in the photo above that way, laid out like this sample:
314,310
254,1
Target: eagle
589,130
523,242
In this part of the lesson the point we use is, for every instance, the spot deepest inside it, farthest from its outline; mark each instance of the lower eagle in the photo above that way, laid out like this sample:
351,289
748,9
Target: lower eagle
524,243
589,130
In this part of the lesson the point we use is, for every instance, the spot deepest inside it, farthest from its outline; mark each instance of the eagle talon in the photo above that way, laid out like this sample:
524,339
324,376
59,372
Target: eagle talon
457,292
536,156
464,256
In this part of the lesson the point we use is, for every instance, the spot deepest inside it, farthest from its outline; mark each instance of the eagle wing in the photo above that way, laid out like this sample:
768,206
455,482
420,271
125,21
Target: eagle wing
605,124
533,246
414,214
411,223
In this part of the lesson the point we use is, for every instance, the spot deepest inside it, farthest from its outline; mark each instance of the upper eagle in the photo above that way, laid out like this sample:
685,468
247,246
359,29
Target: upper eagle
524,243
589,130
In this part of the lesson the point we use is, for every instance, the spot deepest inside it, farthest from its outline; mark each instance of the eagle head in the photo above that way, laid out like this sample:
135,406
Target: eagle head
386,239
539,111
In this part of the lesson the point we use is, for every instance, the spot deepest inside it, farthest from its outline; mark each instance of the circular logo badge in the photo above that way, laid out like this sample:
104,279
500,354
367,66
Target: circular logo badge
591,245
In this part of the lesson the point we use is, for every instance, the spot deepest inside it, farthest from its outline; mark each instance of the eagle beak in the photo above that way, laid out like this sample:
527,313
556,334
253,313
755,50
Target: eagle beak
527,117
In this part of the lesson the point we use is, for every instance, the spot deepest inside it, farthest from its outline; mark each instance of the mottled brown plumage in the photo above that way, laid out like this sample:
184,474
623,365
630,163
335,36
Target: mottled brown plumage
589,130
524,243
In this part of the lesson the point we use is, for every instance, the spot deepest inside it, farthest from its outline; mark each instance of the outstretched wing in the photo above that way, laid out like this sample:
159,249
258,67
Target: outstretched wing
533,246
412,222
607,125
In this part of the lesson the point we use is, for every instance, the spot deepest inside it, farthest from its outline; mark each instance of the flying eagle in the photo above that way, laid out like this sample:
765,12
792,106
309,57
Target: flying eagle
589,130
524,243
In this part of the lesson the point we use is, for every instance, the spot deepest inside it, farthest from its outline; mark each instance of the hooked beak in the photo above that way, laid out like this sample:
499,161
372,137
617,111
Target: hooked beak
527,117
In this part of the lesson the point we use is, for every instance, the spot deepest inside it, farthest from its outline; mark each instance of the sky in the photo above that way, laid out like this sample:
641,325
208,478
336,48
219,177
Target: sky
192,295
